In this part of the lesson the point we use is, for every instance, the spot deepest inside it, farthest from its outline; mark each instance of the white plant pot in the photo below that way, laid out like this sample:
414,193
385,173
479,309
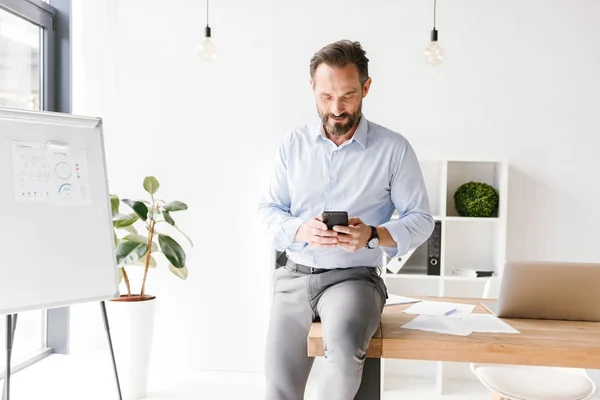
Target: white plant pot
132,327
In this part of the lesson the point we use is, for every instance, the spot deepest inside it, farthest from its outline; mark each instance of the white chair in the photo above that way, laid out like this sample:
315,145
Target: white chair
516,382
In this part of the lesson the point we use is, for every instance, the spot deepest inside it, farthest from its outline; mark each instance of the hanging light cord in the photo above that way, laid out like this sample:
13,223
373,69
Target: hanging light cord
434,11
207,13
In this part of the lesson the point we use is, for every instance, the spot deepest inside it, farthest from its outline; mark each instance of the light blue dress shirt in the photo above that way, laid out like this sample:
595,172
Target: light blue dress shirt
368,176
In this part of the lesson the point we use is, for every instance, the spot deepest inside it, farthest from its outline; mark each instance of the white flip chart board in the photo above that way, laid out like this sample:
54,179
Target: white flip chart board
56,235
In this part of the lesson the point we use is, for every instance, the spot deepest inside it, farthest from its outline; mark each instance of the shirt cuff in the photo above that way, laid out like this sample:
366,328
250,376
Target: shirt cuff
401,236
287,234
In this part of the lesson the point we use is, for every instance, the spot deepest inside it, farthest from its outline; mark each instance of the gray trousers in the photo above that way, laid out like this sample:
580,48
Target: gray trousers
349,303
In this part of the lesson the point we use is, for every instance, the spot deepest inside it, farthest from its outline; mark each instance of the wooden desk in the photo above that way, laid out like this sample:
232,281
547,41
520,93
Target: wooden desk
541,342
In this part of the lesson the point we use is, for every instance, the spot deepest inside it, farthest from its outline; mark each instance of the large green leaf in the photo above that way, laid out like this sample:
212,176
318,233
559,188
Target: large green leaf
183,233
172,250
131,229
140,208
123,220
151,184
182,272
168,218
142,261
140,239
129,252
175,206
114,203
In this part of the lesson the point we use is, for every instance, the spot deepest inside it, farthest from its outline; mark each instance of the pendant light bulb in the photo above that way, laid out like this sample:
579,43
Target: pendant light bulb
207,49
433,52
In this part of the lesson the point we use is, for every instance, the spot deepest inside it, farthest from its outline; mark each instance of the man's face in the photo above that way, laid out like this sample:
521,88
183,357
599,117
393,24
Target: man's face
339,97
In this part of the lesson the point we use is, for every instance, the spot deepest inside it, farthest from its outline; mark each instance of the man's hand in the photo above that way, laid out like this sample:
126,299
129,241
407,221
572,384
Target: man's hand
354,236
315,233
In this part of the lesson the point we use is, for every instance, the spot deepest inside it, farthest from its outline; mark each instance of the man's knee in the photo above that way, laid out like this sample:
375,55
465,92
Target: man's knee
347,342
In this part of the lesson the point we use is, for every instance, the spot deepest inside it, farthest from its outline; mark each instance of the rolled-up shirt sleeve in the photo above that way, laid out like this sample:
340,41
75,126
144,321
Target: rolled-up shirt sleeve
409,195
274,206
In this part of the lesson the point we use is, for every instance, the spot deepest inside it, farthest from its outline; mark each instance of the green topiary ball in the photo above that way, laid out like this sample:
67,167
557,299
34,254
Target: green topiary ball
476,199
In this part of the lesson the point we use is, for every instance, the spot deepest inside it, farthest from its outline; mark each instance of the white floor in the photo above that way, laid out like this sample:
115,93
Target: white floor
90,377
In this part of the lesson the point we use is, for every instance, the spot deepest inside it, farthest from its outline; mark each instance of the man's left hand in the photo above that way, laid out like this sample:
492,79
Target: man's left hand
354,236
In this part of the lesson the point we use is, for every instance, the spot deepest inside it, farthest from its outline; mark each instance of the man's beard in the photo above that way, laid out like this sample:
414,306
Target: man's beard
338,128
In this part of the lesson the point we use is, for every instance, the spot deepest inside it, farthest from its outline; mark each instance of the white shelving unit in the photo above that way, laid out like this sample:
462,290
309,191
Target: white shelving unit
474,243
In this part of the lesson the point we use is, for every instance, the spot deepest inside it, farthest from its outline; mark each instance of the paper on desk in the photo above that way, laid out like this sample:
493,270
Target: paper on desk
437,324
441,308
483,323
395,299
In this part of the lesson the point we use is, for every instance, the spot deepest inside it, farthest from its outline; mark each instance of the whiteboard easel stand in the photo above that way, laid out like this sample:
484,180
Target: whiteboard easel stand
110,345
11,324
67,151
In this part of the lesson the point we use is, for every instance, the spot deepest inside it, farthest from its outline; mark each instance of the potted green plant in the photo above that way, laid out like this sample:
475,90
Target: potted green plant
132,314
476,200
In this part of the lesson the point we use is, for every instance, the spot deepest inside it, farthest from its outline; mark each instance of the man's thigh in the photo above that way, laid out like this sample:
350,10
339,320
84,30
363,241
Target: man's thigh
350,313
291,313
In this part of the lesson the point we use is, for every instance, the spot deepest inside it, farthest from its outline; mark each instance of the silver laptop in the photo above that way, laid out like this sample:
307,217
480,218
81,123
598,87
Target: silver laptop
548,290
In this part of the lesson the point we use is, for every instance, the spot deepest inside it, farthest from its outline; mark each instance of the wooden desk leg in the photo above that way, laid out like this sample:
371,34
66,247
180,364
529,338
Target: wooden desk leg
370,386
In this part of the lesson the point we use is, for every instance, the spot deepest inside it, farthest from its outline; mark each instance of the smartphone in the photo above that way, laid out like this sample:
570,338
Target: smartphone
333,218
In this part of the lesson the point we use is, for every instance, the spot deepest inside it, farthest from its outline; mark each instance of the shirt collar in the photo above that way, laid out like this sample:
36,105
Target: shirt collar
360,135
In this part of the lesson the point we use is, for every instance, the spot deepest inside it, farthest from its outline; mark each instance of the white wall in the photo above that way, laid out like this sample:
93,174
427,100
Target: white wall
92,32
519,82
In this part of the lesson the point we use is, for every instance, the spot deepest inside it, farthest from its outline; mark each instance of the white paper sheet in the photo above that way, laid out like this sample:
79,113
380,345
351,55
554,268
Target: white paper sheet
483,323
395,299
441,309
437,324
52,175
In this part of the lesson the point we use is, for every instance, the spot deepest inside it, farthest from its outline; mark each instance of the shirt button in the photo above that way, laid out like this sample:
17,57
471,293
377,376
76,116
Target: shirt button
332,180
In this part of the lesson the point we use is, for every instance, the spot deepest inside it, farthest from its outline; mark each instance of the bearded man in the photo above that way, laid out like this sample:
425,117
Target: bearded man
341,162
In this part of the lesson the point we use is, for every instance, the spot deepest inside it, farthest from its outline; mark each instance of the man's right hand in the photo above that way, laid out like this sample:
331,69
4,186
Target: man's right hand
315,233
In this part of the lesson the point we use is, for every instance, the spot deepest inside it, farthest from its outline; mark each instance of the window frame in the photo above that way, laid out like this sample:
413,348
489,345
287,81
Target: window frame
54,19
42,15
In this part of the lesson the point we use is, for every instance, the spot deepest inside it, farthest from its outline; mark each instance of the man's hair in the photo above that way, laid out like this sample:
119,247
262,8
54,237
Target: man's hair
339,54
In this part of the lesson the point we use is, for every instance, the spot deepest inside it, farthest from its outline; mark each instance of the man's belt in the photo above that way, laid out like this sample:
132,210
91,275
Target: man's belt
304,269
